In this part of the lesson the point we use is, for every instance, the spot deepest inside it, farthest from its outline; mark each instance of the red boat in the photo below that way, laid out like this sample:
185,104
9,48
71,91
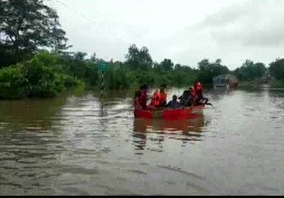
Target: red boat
193,124
171,114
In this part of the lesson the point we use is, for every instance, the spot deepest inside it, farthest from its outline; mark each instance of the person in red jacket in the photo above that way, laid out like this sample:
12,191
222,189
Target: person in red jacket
198,97
137,104
143,97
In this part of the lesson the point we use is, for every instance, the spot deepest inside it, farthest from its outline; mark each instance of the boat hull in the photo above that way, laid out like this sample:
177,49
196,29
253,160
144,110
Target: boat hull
170,114
172,126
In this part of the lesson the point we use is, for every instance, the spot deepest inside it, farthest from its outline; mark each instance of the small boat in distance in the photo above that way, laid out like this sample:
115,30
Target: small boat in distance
227,81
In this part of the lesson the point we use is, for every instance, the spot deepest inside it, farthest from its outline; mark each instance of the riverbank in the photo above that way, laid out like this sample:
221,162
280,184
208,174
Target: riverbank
276,83
253,84
246,84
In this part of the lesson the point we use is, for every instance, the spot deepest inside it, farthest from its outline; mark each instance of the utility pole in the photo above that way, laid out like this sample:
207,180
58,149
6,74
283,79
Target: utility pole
102,68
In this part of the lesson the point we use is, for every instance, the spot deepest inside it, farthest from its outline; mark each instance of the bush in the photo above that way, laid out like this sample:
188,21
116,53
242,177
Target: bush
13,84
42,80
116,78
39,77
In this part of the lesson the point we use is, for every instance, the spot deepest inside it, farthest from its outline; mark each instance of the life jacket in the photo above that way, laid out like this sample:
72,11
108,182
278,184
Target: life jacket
163,98
155,101
199,87
199,90
197,93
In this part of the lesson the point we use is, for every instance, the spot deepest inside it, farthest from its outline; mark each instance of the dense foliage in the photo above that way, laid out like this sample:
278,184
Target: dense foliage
34,61
277,69
250,71
27,26
41,76
208,70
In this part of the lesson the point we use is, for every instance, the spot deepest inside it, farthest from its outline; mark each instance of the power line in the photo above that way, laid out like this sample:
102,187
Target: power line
89,21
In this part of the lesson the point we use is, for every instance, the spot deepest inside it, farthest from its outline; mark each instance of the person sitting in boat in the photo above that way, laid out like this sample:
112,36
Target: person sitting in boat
163,96
198,97
198,86
193,94
137,104
143,98
186,99
174,104
201,100
155,100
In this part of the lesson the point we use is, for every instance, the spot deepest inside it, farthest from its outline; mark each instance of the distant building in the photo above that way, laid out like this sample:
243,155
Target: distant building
266,78
225,81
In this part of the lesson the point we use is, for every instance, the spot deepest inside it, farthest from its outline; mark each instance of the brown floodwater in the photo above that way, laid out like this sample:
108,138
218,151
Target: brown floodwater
79,145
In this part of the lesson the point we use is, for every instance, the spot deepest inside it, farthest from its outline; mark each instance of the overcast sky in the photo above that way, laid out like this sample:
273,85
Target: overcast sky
185,31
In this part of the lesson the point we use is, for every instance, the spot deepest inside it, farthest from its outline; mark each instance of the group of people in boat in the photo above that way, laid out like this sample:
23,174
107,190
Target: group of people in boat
191,97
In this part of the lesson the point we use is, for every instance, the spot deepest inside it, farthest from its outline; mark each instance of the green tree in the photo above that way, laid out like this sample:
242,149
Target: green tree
145,59
276,69
138,58
93,57
208,70
260,69
75,64
132,58
177,66
167,64
27,26
250,70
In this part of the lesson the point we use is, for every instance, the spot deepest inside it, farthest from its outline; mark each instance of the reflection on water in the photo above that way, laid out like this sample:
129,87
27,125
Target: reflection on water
164,126
184,130
85,145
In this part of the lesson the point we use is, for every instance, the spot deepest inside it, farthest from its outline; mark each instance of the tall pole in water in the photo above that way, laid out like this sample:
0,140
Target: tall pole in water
102,84
102,66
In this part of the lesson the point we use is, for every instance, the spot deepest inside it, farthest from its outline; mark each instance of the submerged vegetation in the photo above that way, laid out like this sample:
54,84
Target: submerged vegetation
35,61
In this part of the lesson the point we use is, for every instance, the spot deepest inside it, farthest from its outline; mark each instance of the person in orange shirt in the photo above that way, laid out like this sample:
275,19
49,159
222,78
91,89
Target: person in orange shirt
163,96
155,101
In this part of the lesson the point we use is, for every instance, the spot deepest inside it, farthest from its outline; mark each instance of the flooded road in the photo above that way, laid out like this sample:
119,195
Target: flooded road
74,145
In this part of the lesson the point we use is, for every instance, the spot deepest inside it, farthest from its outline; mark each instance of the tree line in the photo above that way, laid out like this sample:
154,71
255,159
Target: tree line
35,60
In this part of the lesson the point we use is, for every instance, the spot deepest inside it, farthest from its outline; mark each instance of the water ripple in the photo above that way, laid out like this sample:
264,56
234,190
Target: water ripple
77,145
